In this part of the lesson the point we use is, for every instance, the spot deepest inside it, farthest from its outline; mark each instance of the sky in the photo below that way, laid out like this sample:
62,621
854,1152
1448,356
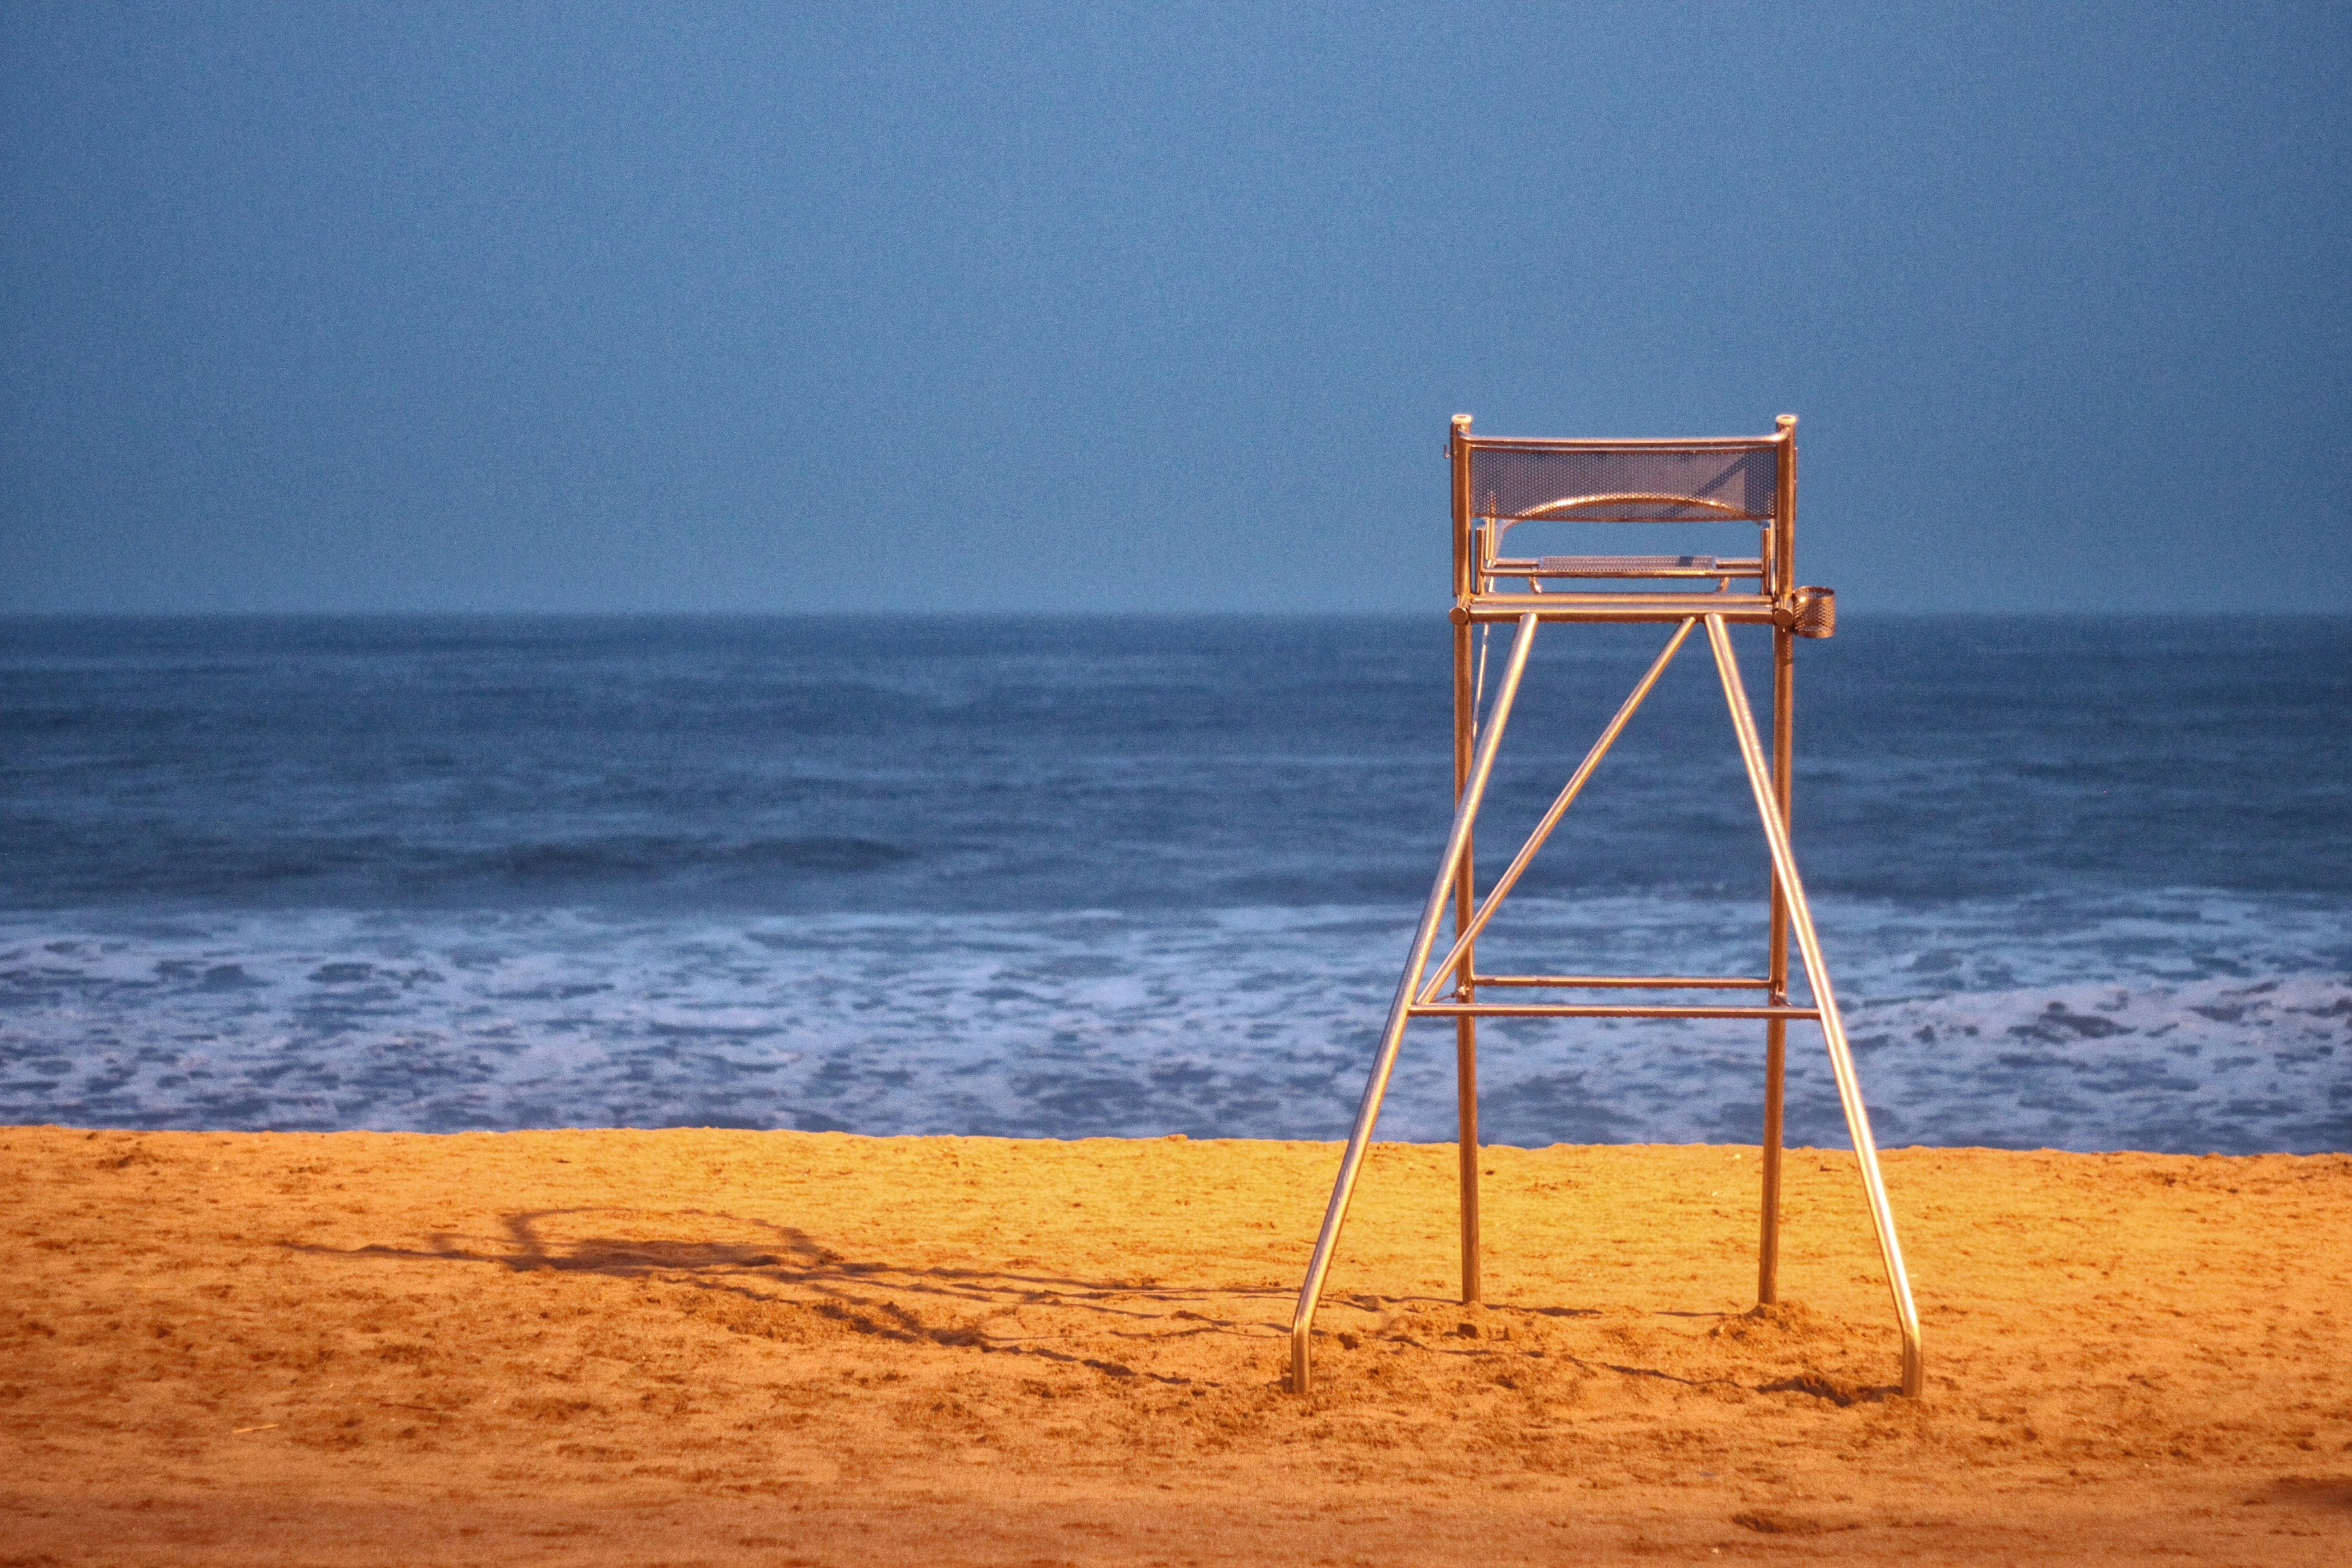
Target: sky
573,307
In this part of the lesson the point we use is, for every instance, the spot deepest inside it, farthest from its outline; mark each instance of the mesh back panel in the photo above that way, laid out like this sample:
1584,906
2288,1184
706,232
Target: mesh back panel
1520,482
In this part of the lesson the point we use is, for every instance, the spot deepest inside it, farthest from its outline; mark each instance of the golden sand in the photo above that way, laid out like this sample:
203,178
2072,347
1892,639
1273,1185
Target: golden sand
782,1348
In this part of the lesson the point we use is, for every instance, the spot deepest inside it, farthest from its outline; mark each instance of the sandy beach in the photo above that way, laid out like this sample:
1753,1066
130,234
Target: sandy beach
770,1347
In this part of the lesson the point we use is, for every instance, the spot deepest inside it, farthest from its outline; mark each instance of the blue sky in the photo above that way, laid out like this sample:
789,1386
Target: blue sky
506,306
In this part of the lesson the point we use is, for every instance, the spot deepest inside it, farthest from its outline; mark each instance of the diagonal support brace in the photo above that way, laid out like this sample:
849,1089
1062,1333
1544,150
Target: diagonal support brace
1368,1113
1817,976
1559,808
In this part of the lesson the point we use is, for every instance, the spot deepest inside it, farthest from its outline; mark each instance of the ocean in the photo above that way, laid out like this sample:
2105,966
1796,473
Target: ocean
2082,883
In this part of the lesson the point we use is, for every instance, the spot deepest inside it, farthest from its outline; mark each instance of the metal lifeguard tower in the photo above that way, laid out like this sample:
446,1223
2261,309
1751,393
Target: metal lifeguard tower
1498,484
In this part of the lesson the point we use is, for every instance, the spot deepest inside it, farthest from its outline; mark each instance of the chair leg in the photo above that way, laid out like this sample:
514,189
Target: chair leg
1465,1091
1466,908
1768,1248
1849,1086
1368,1112
1775,1033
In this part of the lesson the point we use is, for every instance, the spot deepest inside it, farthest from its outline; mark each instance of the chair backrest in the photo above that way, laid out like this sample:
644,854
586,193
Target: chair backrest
1501,482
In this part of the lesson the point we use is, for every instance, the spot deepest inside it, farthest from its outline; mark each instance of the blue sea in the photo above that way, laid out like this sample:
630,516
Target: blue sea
2083,883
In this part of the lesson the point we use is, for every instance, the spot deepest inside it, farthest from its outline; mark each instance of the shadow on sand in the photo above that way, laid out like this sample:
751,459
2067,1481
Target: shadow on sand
783,1266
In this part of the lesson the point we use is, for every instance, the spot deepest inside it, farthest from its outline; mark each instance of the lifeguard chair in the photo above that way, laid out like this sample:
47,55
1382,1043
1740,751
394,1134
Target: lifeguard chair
1500,484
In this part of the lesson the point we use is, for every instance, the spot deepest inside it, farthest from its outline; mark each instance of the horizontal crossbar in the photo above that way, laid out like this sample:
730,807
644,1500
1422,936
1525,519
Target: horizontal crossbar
1739,609
1627,982
1601,1010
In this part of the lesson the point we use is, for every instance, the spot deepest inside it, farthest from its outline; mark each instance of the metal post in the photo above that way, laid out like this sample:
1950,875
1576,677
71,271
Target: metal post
1367,1111
1775,1033
1466,890
1465,1093
1465,1030
1817,976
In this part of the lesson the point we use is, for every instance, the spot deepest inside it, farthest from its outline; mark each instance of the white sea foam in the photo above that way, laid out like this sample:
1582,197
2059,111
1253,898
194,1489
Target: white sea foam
2181,1021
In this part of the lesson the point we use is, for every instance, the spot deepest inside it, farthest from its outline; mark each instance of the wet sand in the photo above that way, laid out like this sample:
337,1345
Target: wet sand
782,1348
